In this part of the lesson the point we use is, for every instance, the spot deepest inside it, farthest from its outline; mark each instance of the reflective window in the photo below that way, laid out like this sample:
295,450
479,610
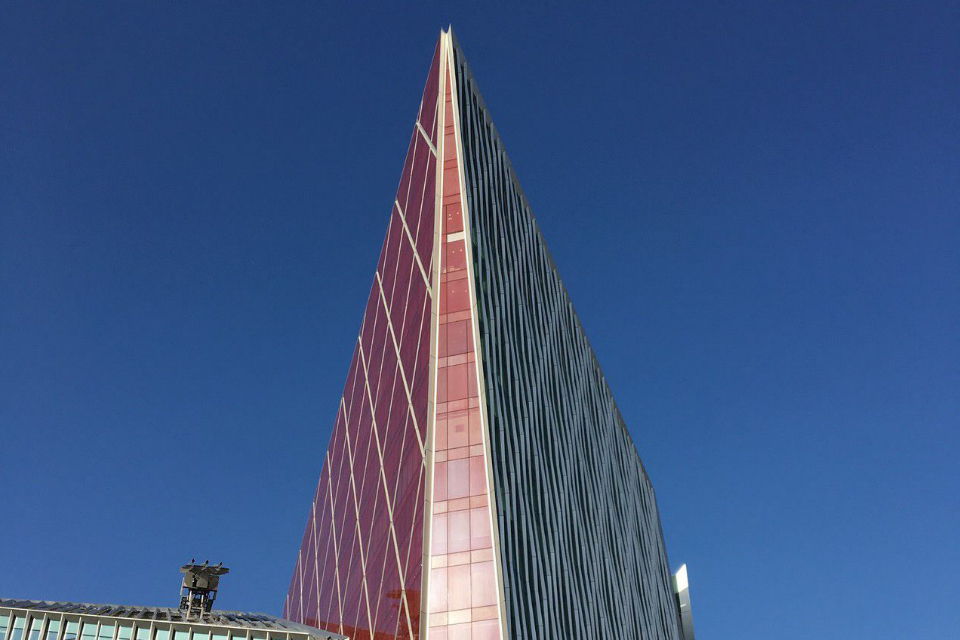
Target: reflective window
125,632
53,630
70,633
36,627
17,632
106,632
4,623
88,631
143,633
179,634
201,635
162,634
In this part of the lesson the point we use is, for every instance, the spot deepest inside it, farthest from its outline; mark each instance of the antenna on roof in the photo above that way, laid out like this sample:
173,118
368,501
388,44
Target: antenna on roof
199,587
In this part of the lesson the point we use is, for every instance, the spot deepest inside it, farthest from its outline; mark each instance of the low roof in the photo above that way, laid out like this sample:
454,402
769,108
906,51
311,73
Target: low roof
234,619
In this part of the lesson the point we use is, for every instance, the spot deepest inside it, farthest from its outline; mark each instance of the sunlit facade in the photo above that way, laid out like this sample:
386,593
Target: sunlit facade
480,482
45,620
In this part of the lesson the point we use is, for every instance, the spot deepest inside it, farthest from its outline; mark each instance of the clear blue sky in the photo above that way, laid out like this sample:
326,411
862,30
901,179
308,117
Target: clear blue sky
755,206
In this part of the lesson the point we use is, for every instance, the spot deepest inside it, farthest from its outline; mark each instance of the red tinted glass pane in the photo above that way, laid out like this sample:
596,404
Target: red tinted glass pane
458,479
477,476
452,218
458,531
458,587
423,157
425,237
457,384
456,295
428,101
458,433
457,337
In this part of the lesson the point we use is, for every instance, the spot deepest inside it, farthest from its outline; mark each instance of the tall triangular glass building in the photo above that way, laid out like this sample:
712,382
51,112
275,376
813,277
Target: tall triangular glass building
480,482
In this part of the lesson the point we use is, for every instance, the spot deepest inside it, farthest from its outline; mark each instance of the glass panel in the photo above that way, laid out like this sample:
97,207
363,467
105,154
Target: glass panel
88,631
125,632
221,636
477,477
458,433
71,630
458,479
143,633
17,632
483,586
439,535
201,635
486,630
106,632
458,587
162,634
36,626
53,630
180,634
480,537
456,295
458,532
438,590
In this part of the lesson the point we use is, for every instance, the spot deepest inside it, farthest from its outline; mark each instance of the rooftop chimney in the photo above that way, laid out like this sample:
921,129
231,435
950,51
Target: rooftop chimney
199,588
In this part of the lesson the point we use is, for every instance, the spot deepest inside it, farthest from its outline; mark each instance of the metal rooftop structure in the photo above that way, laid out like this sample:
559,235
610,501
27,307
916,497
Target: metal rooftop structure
199,587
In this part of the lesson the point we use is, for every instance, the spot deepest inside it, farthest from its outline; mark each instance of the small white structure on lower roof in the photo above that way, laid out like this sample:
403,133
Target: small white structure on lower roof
681,588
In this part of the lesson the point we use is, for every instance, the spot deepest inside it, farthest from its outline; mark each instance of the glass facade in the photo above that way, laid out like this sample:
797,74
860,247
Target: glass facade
462,583
16,630
36,628
70,621
53,630
480,482
578,528
360,567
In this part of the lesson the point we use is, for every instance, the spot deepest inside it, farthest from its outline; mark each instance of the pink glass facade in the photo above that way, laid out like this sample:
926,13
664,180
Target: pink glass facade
405,480
402,539
463,592
360,567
